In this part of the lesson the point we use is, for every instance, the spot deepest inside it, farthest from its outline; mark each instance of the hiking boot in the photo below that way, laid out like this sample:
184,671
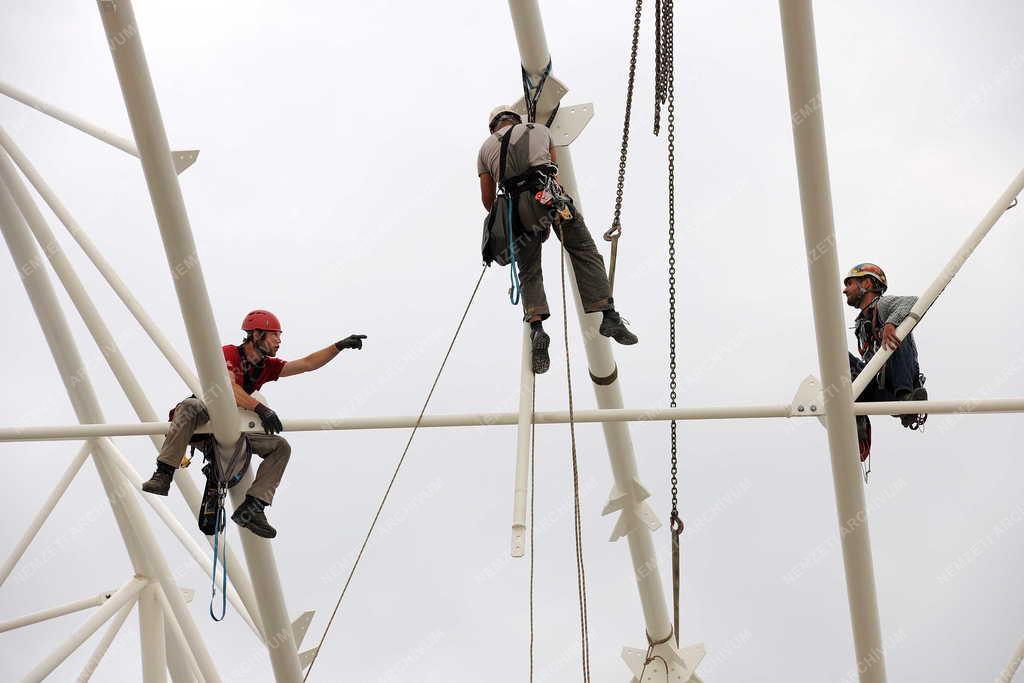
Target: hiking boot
613,326
917,394
160,482
541,359
250,515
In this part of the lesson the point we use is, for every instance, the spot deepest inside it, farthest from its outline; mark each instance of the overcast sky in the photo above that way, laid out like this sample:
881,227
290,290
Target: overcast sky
336,186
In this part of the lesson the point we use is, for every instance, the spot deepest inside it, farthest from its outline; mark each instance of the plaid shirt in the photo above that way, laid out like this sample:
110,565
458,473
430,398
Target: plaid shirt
868,325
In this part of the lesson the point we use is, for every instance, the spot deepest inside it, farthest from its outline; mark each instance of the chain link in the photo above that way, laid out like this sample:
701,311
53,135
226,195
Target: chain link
665,93
616,228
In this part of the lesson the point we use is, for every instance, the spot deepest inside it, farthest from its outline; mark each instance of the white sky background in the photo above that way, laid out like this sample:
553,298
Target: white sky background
336,186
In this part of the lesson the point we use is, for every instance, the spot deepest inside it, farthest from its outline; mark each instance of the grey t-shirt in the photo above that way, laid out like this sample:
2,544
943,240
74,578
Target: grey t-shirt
529,146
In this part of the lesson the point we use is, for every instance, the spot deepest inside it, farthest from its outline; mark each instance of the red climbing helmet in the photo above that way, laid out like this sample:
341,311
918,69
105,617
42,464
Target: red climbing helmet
868,270
261,320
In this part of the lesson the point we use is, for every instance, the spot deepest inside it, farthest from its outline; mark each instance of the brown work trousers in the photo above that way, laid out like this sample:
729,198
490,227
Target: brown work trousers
191,414
537,221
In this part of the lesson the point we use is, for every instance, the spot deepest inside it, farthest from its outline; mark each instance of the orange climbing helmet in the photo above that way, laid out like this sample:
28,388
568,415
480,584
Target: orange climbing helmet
868,270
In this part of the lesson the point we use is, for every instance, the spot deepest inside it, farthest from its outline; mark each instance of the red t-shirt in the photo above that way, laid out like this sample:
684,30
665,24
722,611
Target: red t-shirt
269,371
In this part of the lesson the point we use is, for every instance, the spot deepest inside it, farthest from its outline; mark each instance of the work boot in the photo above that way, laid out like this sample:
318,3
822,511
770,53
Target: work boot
614,327
250,515
915,394
540,344
160,482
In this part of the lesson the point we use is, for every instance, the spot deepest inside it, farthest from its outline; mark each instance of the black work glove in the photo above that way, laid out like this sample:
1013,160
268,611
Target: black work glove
353,341
271,422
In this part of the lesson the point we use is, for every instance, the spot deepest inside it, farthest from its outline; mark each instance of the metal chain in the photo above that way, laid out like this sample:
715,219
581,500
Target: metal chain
667,95
616,228
659,64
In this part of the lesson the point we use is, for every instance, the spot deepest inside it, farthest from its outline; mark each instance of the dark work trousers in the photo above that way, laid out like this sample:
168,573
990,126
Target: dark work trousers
191,414
901,372
587,263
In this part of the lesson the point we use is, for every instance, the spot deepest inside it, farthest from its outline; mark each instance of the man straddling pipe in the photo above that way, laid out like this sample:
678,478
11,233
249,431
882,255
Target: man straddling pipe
900,379
250,365
530,179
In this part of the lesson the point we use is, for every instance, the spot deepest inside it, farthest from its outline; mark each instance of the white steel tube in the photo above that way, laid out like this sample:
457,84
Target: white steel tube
1006,675
102,265
969,406
260,558
105,640
102,335
151,635
189,543
76,290
601,363
523,437
119,599
148,129
829,328
534,56
529,28
180,661
142,547
44,512
147,126
54,612
81,124
938,285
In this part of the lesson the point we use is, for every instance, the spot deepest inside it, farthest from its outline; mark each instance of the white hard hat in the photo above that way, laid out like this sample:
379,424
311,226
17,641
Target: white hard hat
500,112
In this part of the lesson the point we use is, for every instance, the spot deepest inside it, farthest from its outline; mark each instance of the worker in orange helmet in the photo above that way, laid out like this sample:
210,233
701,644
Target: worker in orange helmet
250,364
900,379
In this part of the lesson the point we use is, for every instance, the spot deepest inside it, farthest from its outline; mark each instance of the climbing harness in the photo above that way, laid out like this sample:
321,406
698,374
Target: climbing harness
581,575
394,476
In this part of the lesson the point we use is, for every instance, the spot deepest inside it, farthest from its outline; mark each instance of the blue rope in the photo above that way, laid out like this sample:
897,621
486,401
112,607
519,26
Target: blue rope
224,567
515,290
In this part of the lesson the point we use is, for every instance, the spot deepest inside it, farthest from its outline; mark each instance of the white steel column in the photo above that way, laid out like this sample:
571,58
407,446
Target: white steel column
103,337
104,643
829,328
180,662
147,126
182,159
523,438
145,554
118,600
44,512
54,612
938,285
628,497
1006,675
151,635
101,263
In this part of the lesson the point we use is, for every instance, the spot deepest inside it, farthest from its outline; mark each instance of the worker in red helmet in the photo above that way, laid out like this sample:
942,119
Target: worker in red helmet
517,165
250,364
900,379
